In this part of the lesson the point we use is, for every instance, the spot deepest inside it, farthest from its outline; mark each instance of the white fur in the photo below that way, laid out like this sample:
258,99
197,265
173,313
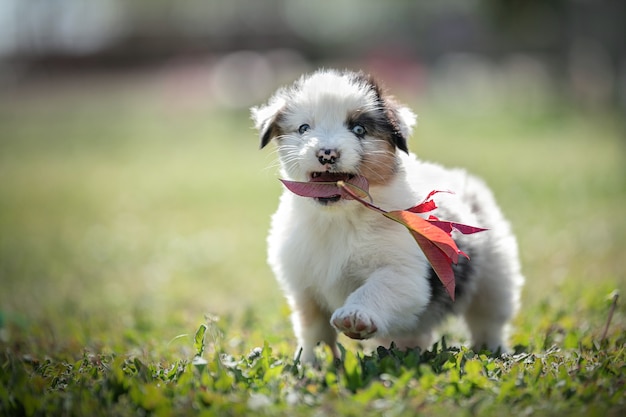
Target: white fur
348,269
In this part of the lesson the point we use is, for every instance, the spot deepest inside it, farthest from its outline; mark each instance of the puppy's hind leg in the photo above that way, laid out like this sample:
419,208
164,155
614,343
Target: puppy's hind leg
496,296
489,313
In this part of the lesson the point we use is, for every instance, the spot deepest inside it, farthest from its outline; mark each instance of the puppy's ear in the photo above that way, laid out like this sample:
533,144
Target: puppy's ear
403,120
266,119
400,119
406,120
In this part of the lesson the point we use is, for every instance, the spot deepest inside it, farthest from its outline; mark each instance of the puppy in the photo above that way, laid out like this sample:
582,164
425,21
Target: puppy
347,269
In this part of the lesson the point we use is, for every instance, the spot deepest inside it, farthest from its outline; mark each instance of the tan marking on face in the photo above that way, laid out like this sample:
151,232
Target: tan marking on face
379,163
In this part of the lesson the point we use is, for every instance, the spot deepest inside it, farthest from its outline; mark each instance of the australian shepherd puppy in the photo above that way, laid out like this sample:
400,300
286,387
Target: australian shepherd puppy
347,269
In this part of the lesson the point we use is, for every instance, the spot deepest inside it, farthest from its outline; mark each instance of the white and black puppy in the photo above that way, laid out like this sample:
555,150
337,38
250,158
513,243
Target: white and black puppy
346,268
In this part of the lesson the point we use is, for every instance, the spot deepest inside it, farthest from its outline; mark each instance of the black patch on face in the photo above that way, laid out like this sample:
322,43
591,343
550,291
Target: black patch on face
384,122
374,123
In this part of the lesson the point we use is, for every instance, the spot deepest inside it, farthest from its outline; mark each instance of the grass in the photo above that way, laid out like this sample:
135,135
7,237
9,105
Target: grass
130,220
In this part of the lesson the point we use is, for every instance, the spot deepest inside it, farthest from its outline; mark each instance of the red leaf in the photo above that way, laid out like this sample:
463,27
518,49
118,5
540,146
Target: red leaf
312,189
440,262
447,226
326,189
427,204
428,230
357,186
424,207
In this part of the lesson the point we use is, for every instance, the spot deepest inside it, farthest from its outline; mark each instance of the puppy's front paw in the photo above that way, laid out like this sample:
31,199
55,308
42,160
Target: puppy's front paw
354,322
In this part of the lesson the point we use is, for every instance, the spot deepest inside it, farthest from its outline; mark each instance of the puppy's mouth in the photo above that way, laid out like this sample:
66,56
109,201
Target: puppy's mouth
330,177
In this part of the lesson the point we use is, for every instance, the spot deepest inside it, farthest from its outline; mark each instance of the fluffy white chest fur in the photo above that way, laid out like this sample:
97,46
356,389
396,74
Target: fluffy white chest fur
346,269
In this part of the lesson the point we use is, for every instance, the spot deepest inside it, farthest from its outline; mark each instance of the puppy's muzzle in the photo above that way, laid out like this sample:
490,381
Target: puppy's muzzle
327,156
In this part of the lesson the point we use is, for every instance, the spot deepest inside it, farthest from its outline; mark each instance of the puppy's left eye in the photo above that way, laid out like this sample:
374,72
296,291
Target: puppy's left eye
358,130
303,128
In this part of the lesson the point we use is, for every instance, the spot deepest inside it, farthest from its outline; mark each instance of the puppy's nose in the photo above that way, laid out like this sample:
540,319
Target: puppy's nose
327,156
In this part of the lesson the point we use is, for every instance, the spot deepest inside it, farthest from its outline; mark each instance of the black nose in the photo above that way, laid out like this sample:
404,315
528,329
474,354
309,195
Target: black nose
327,156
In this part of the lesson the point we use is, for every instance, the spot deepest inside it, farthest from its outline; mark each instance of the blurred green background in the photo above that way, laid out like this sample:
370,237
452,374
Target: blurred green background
133,196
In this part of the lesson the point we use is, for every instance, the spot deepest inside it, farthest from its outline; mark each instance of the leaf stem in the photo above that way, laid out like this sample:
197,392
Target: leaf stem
347,188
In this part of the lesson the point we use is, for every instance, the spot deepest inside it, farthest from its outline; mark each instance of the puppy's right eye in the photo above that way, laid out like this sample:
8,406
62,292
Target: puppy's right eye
303,128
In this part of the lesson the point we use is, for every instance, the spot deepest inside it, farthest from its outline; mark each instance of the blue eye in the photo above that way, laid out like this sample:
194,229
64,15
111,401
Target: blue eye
358,130
303,128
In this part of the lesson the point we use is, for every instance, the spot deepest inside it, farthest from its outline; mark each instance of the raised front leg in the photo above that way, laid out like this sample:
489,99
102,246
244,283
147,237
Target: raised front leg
387,305
355,322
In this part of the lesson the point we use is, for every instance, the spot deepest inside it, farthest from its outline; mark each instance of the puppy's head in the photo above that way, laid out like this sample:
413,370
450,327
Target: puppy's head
331,125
